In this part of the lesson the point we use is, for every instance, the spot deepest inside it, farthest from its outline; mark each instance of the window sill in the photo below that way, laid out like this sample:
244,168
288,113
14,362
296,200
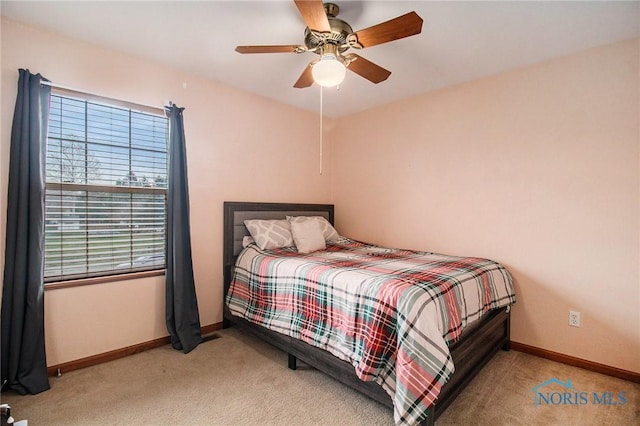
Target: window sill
102,280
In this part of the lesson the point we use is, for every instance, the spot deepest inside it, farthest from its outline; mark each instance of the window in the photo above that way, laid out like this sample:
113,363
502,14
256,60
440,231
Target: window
106,190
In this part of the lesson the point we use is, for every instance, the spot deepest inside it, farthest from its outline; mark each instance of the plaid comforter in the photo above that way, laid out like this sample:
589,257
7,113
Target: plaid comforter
391,313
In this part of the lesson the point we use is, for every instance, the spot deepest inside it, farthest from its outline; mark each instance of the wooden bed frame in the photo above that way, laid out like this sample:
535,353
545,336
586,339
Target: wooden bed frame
475,348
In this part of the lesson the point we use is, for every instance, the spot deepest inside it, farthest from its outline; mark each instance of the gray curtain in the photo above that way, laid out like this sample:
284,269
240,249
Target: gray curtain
183,320
24,364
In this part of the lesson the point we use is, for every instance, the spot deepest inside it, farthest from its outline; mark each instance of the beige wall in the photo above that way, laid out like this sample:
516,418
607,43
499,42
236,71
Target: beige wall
240,147
537,168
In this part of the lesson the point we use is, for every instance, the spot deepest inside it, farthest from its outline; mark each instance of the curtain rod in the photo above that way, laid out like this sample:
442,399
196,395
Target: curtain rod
93,96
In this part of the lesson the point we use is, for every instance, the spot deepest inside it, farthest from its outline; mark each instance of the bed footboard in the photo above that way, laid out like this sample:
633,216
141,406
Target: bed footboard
476,347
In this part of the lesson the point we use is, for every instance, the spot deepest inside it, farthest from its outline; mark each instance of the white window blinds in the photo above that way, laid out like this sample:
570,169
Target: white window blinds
106,190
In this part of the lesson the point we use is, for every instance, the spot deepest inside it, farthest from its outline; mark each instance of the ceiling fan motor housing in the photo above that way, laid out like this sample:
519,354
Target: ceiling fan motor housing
340,32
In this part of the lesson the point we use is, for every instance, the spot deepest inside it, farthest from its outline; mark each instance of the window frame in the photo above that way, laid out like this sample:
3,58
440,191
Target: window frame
110,275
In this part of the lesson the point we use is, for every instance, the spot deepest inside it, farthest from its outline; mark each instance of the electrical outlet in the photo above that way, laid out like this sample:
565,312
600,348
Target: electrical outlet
574,318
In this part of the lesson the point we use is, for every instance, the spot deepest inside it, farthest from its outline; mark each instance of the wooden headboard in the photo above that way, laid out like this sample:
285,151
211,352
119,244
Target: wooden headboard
235,213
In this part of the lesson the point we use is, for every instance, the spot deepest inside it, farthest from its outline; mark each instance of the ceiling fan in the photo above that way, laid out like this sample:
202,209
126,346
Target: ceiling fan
331,37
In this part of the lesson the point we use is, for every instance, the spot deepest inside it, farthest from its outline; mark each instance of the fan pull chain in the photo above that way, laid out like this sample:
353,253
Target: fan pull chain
321,130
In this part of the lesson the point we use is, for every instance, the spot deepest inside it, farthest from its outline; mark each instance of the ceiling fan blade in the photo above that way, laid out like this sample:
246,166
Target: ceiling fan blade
394,29
267,49
367,69
306,78
313,13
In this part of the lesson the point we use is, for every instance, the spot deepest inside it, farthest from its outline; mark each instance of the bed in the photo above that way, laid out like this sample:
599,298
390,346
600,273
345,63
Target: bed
472,349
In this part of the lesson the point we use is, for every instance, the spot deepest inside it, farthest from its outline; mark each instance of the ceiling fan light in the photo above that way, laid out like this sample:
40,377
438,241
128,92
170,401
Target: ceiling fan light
328,71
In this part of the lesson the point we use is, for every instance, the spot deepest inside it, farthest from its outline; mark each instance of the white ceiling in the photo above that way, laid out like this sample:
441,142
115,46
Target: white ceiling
460,41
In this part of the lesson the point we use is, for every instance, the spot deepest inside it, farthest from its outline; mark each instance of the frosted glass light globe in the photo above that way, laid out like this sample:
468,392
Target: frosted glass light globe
328,71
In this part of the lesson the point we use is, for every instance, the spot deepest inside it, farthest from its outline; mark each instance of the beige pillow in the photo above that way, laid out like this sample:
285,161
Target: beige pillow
269,234
308,236
328,231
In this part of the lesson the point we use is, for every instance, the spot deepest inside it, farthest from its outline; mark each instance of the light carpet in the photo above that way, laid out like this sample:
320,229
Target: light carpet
240,380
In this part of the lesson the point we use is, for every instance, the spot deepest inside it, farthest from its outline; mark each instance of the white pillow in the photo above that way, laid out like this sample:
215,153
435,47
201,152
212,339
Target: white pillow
269,234
328,231
246,240
308,236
